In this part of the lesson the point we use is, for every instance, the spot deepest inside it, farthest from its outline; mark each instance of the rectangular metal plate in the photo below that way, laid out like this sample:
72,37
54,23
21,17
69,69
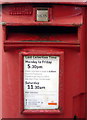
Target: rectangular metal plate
41,82
42,15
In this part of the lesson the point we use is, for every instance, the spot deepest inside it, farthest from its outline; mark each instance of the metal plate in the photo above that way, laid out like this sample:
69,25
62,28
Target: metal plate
42,15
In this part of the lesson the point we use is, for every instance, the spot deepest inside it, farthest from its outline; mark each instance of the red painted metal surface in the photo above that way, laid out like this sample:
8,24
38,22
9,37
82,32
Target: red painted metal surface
1,64
85,51
41,52
73,2
68,17
67,22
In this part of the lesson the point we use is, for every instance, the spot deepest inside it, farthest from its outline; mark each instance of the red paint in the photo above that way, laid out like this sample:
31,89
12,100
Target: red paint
73,2
0,66
42,52
68,17
62,35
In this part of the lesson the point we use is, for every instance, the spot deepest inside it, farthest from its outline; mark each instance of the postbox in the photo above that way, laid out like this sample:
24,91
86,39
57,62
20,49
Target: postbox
43,60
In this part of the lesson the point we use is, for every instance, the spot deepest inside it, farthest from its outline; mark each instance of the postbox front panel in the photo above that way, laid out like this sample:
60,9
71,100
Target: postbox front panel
42,78
42,60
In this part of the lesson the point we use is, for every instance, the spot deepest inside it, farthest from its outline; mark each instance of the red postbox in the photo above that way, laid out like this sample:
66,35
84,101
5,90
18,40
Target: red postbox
43,60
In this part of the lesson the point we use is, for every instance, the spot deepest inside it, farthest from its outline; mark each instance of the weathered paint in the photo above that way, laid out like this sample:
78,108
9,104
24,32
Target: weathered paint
0,62
75,2
16,40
